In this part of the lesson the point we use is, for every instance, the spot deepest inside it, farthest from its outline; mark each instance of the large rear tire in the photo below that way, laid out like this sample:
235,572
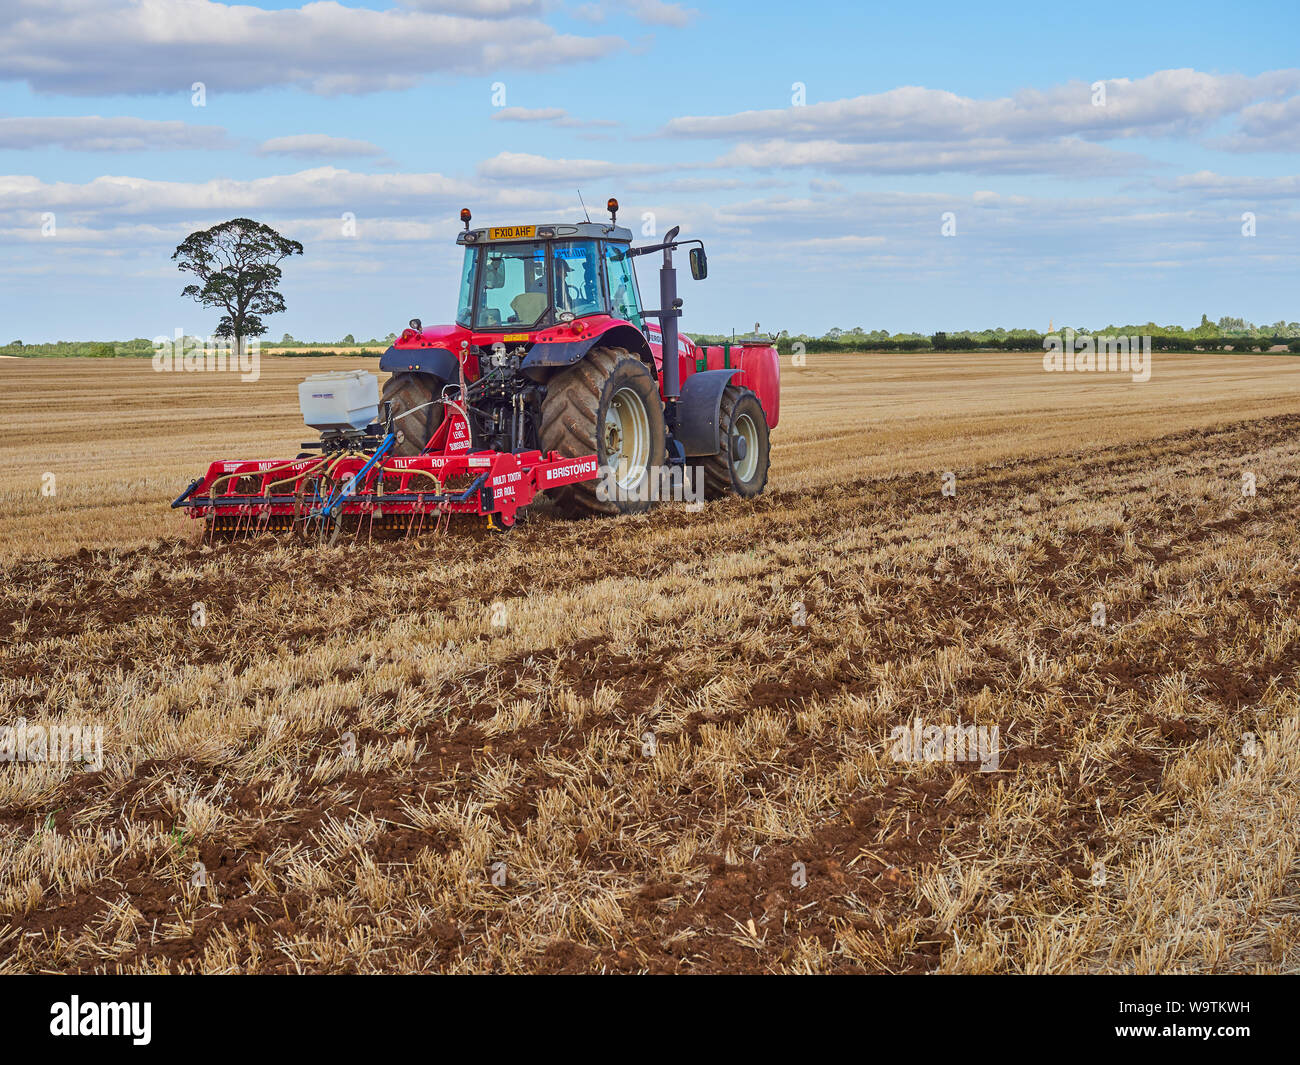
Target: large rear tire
608,405
406,392
740,466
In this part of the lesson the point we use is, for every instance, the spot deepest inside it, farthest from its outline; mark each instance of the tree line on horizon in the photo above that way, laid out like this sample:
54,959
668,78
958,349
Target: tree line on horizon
1235,334
1227,334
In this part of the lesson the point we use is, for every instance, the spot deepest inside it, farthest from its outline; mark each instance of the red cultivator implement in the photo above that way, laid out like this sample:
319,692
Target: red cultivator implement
357,488
553,377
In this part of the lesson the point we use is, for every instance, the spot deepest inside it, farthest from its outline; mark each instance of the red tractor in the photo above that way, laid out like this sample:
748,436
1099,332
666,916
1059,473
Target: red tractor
554,377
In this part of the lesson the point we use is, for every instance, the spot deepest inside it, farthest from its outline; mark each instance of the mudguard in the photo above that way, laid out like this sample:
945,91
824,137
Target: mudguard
567,352
439,362
560,353
699,409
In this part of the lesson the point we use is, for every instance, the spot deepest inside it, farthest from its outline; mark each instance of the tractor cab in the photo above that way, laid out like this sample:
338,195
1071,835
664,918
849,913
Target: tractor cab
518,279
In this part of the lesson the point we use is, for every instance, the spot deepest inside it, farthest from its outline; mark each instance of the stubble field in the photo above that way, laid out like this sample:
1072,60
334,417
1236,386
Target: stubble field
663,743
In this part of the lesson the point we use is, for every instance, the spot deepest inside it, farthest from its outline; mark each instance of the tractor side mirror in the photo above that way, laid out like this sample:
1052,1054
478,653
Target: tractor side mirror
699,264
494,274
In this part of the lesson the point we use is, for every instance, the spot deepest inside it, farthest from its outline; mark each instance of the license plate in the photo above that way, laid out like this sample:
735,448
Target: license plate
512,232
514,336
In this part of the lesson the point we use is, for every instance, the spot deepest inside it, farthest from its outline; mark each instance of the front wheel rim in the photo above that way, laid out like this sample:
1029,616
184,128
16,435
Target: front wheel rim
745,428
627,438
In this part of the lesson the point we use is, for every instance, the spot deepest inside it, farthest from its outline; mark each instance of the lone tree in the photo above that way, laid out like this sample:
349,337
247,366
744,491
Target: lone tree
238,263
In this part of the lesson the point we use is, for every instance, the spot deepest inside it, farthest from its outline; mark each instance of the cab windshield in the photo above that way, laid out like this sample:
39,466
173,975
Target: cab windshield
519,285
512,287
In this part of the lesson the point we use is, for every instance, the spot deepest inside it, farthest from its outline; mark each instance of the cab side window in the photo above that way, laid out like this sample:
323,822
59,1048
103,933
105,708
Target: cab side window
623,299
577,277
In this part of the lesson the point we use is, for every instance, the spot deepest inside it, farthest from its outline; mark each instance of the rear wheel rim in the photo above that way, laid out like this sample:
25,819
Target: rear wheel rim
626,435
746,467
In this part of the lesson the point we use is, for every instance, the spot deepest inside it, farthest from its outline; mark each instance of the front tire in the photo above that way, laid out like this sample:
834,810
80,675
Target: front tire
608,405
740,466
406,392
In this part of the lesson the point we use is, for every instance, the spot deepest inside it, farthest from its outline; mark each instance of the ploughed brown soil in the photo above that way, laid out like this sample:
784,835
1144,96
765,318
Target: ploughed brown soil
664,743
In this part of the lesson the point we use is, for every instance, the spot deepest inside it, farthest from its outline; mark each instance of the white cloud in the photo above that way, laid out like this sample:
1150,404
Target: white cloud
92,133
317,146
651,12
385,207
100,47
116,236
1268,126
523,168
845,243
658,13
555,116
478,8
1221,187
377,229
528,114
691,185
1065,156
307,190
1121,225
1169,102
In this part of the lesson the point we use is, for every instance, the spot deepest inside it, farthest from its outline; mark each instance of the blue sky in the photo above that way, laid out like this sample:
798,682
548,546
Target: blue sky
1066,208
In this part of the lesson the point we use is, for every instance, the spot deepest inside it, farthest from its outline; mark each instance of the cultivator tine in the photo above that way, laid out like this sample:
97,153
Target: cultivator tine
442,517
306,519
370,525
412,528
